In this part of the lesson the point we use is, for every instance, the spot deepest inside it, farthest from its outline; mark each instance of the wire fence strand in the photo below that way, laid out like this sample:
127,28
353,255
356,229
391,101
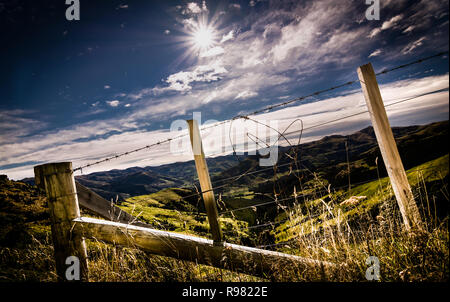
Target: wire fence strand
265,109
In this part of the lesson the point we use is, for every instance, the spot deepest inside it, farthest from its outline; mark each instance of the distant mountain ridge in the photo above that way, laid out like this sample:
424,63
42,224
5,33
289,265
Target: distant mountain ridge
417,144
140,181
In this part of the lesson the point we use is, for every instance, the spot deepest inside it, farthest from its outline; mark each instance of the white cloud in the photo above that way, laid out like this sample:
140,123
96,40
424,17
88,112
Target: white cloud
235,6
298,41
245,95
374,32
413,45
214,51
106,86
14,123
113,103
210,97
284,97
409,29
167,32
228,36
386,25
375,53
181,81
392,22
271,29
194,8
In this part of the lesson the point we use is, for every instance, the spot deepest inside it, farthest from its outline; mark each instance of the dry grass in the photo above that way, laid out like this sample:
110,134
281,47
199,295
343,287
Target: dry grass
404,256
346,240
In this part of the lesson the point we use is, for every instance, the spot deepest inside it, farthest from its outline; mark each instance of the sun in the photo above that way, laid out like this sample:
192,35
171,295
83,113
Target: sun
199,36
203,37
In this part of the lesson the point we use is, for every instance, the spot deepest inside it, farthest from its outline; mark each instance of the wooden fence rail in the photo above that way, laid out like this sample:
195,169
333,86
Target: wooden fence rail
234,257
104,208
69,231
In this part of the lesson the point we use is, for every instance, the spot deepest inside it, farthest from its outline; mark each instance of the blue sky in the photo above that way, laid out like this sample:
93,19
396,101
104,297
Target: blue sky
117,78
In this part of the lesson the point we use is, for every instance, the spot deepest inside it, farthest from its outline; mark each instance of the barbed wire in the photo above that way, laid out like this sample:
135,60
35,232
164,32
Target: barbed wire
249,172
267,108
127,153
374,144
290,198
335,189
366,111
421,60
332,121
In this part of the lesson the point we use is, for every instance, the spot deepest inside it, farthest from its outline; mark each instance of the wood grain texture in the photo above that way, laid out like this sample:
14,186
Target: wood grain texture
58,182
205,181
388,147
185,247
104,208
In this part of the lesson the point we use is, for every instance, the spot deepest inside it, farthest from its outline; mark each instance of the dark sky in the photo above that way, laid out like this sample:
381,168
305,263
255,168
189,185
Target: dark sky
133,67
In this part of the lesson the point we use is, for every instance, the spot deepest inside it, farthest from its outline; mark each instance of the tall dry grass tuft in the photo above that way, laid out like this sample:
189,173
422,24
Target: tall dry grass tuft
417,255
108,263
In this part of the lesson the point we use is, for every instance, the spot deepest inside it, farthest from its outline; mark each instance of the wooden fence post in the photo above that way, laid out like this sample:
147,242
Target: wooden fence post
58,182
388,147
205,181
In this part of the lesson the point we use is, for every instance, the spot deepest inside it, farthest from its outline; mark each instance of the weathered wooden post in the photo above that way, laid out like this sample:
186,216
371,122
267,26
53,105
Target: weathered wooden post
205,181
388,147
58,182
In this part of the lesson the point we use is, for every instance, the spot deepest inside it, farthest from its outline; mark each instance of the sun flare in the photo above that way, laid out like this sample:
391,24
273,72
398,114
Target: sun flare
203,37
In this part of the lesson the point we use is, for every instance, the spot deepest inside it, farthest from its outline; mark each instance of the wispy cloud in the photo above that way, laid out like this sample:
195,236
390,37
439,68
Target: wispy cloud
15,124
375,53
413,45
212,52
113,103
235,6
391,23
386,25
228,36
182,81
246,95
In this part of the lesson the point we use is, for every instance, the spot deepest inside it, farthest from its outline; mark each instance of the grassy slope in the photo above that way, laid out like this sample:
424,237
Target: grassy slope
168,210
377,192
